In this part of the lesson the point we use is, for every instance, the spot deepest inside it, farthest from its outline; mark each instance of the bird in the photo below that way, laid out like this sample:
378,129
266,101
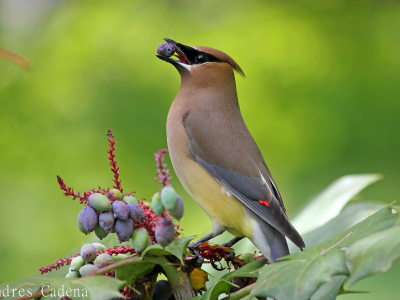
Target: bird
216,158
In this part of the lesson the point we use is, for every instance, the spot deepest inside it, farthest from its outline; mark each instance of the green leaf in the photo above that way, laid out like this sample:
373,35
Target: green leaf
332,199
329,290
90,288
134,270
249,270
156,250
373,254
222,286
177,248
381,220
352,214
299,279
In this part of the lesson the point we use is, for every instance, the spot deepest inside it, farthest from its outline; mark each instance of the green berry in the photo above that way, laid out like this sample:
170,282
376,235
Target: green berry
99,202
99,247
119,257
248,257
72,275
76,263
157,204
100,233
103,260
139,239
130,199
81,228
168,197
87,269
114,194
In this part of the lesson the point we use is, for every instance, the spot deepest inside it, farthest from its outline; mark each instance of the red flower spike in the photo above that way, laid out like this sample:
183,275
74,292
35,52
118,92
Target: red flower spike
163,175
58,264
113,162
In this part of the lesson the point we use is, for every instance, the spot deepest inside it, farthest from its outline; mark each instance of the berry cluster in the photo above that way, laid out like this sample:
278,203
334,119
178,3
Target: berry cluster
142,223
91,259
110,211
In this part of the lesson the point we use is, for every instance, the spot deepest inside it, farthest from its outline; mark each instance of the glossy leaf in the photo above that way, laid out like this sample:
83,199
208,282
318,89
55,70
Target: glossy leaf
373,254
177,248
299,278
332,199
134,270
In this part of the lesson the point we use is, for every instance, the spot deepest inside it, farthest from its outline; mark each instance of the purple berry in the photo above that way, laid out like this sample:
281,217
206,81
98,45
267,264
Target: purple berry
106,220
162,290
123,229
166,49
87,219
88,252
177,211
136,213
121,210
165,232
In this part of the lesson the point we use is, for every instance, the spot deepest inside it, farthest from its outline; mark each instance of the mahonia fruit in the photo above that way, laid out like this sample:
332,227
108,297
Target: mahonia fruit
87,219
123,229
88,252
168,197
99,202
136,213
121,210
165,232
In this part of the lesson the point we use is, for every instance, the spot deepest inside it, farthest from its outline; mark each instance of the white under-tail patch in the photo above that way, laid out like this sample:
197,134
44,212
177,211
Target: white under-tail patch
260,241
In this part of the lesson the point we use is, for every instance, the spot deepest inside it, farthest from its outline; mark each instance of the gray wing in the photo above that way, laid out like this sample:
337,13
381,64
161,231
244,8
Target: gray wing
231,156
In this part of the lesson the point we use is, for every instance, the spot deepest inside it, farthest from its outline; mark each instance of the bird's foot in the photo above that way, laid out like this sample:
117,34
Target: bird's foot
198,260
216,267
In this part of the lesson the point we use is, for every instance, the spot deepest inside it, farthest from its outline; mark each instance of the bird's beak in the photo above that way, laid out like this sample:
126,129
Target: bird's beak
182,58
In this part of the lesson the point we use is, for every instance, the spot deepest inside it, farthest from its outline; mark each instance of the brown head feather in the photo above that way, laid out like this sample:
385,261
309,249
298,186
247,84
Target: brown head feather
222,56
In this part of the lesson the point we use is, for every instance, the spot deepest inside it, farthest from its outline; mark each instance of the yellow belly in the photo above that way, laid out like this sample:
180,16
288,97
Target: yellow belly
223,208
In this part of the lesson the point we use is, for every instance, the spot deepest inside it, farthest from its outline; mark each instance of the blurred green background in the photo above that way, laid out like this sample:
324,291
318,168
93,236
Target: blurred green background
321,97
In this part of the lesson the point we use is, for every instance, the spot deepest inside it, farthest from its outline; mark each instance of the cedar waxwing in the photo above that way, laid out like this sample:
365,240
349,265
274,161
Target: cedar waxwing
216,158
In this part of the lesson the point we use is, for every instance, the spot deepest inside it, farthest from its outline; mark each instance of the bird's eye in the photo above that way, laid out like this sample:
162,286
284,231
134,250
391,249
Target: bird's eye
200,58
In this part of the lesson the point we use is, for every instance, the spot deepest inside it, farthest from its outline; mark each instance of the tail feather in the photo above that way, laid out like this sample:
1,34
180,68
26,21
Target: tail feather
267,239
